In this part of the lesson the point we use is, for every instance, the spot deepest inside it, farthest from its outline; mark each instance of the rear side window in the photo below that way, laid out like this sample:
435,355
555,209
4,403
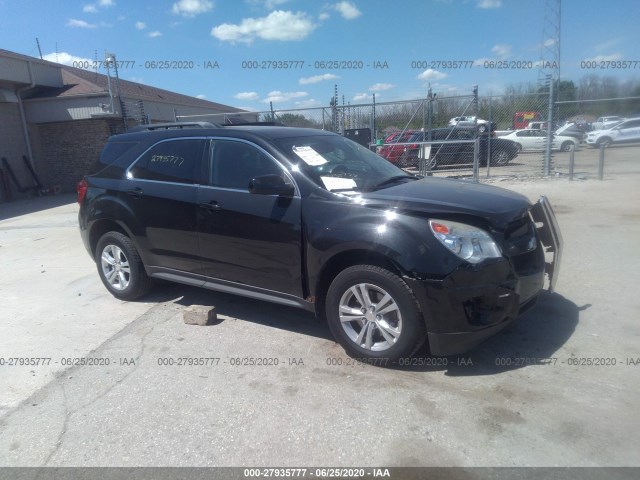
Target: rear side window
174,161
111,152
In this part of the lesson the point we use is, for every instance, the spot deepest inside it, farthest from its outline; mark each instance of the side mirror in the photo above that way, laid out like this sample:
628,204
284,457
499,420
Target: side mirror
271,185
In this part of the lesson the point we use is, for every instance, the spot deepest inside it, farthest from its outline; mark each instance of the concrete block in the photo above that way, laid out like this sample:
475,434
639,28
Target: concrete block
199,315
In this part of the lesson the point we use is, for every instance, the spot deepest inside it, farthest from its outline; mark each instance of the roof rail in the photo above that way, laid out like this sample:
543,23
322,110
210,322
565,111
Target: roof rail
256,124
167,126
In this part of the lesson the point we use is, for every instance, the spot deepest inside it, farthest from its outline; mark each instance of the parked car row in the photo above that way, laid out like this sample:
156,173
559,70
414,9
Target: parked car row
404,148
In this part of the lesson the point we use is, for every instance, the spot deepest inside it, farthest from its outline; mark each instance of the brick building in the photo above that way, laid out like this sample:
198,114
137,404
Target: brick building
60,117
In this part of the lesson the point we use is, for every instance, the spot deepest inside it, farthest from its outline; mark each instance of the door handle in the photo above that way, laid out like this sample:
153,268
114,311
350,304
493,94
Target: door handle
212,206
136,192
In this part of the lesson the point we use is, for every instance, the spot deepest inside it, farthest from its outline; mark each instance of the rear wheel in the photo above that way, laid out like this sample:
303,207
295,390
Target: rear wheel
499,158
120,267
373,314
566,146
405,161
482,128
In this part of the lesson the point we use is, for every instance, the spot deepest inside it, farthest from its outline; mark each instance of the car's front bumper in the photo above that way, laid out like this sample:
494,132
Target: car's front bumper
473,303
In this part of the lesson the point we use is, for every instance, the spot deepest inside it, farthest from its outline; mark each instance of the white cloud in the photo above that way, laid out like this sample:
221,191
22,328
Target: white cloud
480,61
379,87
191,8
348,10
141,25
431,74
93,8
72,22
362,97
501,50
317,78
311,103
271,4
489,3
154,34
324,16
605,58
549,42
278,97
246,96
136,79
67,59
201,96
278,25
606,45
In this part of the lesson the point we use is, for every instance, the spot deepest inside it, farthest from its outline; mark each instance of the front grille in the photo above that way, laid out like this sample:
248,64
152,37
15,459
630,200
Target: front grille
520,244
519,237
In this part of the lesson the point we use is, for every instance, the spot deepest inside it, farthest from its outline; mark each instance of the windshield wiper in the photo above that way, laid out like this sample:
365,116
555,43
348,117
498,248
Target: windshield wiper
393,180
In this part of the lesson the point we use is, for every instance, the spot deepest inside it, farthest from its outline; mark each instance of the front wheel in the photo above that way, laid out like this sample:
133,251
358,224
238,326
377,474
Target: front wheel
606,141
120,267
373,314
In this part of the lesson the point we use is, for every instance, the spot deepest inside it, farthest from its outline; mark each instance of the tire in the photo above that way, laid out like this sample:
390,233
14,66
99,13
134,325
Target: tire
396,330
499,158
566,146
430,164
404,161
120,267
482,128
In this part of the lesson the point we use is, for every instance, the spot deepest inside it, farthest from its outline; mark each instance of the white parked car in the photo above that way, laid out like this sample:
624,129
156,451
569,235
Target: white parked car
625,131
530,139
605,123
469,121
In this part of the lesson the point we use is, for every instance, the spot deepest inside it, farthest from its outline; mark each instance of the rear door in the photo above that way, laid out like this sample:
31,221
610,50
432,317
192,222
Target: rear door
248,238
161,194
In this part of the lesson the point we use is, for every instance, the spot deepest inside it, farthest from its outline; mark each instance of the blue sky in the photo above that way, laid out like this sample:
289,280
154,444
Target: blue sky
362,33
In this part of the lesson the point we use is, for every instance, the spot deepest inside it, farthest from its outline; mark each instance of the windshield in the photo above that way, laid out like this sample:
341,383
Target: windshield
339,164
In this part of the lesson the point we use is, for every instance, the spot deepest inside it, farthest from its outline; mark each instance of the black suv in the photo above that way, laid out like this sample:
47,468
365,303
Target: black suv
310,219
453,147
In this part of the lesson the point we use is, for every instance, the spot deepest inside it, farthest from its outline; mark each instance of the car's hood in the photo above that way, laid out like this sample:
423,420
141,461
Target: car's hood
440,196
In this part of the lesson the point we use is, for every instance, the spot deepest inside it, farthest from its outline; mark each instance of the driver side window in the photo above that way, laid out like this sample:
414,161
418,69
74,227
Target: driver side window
233,164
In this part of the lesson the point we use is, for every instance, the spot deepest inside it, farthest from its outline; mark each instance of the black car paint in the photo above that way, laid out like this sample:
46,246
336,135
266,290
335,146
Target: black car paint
453,154
280,248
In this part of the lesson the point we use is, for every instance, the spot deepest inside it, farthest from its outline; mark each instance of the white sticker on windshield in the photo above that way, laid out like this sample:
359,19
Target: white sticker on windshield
338,183
309,156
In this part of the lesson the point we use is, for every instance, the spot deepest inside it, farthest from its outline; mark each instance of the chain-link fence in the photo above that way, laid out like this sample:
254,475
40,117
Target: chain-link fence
461,136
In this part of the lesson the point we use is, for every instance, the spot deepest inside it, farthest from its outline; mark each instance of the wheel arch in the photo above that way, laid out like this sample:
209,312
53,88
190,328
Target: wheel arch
346,259
102,226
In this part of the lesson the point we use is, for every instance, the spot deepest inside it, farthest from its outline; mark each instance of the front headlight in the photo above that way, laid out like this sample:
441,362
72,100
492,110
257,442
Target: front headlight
467,242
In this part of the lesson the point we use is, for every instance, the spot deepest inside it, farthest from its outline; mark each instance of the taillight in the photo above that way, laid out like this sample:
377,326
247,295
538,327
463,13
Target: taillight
81,188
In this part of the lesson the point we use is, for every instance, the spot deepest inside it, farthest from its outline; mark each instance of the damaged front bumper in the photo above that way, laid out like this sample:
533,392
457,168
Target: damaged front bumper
474,303
550,236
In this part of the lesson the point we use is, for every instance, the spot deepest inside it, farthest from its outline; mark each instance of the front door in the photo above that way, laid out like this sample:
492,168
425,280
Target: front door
248,238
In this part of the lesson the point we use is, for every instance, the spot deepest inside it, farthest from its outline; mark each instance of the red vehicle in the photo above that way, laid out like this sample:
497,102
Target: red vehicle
398,154
521,119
